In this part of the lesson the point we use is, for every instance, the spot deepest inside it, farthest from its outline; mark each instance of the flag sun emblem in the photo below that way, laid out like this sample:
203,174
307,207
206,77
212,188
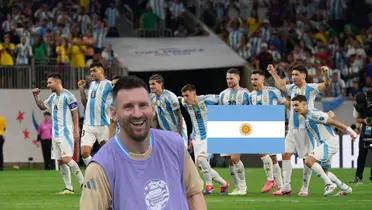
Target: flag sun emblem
245,129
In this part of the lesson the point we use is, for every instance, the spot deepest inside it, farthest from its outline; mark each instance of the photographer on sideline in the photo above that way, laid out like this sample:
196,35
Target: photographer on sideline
363,114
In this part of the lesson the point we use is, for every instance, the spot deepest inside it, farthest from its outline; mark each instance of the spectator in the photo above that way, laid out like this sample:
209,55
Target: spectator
235,35
7,51
337,87
232,10
99,34
149,20
111,16
7,24
62,51
255,43
84,21
177,11
264,59
44,135
355,89
23,52
77,53
39,50
90,42
110,56
158,7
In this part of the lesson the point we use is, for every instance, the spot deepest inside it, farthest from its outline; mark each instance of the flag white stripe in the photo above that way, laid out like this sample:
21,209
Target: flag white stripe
259,129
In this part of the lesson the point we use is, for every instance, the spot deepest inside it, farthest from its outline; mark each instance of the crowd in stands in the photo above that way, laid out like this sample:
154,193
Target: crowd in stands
282,32
336,33
69,32
165,15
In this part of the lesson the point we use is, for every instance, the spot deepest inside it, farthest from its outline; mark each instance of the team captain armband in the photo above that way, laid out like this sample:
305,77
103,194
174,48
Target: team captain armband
73,105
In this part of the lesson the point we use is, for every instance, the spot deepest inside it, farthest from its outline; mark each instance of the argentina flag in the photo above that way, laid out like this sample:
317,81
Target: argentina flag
246,129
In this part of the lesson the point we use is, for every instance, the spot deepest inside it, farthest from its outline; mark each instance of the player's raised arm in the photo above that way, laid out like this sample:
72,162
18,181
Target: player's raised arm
343,127
83,95
279,82
38,101
326,78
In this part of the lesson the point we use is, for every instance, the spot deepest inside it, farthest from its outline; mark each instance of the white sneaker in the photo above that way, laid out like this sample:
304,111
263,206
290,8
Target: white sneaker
238,192
329,188
66,192
347,191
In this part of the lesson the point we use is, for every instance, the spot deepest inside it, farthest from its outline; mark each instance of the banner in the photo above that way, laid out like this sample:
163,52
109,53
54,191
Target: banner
246,129
170,54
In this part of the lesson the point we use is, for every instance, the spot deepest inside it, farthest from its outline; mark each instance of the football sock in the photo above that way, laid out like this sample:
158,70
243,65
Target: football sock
217,177
76,170
66,176
268,167
320,172
306,176
287,173
277,175
205,169
241,175
234,175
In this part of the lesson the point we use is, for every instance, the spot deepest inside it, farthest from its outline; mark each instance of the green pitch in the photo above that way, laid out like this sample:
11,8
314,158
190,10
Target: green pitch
36,190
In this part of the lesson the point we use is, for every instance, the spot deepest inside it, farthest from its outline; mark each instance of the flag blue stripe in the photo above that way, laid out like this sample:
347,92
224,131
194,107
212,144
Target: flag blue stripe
246,113
245,146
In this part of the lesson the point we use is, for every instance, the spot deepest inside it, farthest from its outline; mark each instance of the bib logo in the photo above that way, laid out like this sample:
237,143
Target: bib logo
156,194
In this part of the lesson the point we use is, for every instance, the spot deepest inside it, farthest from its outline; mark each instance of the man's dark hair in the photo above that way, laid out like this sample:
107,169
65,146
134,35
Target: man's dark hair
258,72
157,77
47,114
300,98
233,71
128,82
55,75
188,87
96,63
299,67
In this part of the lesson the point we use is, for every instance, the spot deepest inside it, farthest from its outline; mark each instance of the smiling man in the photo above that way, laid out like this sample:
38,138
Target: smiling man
140,168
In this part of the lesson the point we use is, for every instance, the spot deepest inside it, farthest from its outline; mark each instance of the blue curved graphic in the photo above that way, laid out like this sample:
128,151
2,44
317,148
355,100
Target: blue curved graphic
34,122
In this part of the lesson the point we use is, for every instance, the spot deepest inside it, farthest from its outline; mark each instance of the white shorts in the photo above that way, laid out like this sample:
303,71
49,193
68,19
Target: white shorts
324,151
90,134
200,148
297,141
62,147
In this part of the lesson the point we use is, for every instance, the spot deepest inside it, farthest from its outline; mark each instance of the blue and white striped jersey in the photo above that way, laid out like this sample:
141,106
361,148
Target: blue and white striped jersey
267,96
234,97
97,110
235,38
317,128
61,107
310,90
198,114
166,106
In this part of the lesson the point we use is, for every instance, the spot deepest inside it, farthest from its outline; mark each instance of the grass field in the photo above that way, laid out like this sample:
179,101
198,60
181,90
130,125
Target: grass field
36,190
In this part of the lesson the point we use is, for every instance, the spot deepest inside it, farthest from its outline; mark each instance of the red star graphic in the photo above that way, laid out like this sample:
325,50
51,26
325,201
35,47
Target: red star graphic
20,116
26,134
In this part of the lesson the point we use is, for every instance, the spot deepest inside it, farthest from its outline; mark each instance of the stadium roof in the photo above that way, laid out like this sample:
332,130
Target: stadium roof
170,54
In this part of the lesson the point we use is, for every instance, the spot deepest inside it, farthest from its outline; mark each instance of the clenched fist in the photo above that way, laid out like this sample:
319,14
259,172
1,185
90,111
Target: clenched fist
325,70
36,91
82,84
